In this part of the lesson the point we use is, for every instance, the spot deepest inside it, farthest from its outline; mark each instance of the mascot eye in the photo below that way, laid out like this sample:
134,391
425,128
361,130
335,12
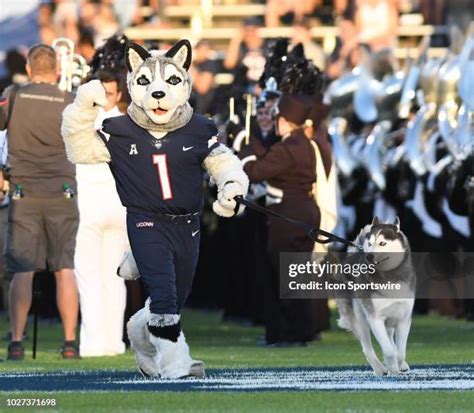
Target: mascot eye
369,244
143,81
382,243
174,80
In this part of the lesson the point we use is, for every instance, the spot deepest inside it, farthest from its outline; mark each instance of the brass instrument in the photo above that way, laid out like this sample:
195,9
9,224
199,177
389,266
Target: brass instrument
73,67
248,116
375,151
345,161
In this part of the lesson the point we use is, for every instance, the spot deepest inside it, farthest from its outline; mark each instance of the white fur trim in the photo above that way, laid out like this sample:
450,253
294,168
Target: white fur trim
163,320
223,166
145,352
83,145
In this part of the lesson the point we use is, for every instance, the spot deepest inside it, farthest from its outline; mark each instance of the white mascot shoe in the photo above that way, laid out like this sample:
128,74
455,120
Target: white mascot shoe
145,352
173,357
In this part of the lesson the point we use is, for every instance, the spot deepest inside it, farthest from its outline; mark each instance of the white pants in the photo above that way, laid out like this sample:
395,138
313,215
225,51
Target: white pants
101,243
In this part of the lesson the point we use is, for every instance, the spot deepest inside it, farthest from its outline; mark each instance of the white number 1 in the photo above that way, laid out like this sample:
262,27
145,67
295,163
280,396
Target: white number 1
162,163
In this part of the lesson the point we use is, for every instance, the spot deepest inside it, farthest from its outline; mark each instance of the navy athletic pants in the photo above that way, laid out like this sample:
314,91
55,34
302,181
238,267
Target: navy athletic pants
166,250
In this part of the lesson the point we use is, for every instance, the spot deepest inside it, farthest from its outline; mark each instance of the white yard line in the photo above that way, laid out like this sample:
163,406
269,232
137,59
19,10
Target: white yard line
449,377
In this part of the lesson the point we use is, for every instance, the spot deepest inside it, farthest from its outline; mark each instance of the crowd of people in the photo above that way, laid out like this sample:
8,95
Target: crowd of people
69,220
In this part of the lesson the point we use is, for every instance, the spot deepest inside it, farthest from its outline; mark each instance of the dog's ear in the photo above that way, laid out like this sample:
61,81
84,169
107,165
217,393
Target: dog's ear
181,54
135,56
397,223
375,221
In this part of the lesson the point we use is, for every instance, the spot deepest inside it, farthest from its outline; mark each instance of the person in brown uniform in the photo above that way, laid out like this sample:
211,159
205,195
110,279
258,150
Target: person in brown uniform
289,168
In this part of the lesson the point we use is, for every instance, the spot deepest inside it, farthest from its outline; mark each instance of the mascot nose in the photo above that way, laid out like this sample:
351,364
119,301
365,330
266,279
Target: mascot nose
158,94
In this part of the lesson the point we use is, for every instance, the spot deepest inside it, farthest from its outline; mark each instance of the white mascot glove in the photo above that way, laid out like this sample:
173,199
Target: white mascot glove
90,94
226,205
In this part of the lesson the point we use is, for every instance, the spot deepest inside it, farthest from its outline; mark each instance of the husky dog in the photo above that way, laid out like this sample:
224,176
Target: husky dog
389,319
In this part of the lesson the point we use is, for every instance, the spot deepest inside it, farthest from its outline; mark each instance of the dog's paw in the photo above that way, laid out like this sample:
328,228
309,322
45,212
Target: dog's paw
404,367
380,370
393,369
392,365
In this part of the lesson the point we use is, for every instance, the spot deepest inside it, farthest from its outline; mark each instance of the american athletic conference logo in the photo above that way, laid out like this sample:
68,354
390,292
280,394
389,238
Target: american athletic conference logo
133,149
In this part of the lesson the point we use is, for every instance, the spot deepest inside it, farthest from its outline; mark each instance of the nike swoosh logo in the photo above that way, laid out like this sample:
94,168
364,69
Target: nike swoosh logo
187,149
194,233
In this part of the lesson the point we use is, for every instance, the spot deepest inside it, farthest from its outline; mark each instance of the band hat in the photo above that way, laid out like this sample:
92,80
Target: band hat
318,112
294,108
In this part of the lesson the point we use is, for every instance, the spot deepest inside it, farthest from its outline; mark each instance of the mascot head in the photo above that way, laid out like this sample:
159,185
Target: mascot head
159,85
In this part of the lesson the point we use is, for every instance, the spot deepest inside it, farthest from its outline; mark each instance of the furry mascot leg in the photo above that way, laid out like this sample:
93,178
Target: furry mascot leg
145,352
173,358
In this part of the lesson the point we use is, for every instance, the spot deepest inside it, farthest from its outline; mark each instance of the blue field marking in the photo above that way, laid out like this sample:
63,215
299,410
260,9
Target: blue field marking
420,378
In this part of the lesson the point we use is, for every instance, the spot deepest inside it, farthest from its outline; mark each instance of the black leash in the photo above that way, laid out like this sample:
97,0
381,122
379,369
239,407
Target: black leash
313,233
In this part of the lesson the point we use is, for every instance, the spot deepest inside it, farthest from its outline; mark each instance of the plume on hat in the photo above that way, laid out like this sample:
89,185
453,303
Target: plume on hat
110,56
293,73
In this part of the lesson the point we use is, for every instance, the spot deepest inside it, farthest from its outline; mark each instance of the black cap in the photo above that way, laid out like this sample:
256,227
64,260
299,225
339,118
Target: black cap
267,95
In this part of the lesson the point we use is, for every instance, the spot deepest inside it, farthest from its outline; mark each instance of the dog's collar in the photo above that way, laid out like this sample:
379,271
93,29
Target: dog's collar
180,118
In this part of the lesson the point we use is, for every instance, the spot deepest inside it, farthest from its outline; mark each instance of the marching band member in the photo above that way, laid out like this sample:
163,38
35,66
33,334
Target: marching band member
101,243
289,167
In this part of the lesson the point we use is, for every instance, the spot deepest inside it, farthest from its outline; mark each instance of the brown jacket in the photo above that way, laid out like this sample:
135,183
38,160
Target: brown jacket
289,165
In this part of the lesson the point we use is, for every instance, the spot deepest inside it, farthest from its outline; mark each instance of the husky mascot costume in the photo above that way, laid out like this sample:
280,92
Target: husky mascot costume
158,153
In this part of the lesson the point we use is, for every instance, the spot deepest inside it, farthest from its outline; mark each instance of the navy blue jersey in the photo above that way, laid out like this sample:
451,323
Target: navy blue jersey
159,175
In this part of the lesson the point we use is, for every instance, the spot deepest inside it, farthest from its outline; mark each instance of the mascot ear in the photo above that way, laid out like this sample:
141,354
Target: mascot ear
397,223
375,221
135,56
181,54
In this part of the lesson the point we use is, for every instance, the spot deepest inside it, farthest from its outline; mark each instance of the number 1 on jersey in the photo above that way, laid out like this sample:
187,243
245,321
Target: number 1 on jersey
162,163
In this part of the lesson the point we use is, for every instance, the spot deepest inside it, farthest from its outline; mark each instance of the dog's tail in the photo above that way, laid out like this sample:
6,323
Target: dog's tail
346,313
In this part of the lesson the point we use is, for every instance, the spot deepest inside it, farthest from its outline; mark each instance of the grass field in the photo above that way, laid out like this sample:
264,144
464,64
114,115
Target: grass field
223,345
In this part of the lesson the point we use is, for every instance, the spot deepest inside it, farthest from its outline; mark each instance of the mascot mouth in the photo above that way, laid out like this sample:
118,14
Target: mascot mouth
160,111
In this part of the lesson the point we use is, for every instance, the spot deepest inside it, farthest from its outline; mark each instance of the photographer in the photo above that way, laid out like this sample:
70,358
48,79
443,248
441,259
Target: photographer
43,216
